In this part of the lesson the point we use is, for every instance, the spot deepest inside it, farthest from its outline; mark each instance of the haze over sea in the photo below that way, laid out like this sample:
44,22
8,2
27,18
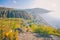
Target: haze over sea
52,17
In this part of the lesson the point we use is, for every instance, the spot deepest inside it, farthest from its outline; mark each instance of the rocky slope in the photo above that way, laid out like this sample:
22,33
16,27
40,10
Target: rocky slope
34,36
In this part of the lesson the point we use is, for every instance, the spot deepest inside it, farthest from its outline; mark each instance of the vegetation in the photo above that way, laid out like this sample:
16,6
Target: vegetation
7,31
8,26
45,30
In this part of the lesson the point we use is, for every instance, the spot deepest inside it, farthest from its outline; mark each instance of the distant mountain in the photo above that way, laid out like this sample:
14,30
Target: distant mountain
37,10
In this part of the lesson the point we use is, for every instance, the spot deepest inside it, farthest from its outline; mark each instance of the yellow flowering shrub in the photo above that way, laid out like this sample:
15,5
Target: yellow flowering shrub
7,31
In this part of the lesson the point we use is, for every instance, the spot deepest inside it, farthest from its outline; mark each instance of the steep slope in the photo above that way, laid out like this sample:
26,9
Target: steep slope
13,13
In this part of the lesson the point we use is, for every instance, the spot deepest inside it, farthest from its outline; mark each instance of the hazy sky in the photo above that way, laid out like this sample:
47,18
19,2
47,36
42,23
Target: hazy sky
53,5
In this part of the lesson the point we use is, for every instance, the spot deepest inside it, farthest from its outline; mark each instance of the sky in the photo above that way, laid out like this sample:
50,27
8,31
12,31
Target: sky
16,3
52,5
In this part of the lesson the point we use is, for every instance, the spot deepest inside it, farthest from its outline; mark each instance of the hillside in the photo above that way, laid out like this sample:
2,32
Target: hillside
15,28
24,13
13,13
